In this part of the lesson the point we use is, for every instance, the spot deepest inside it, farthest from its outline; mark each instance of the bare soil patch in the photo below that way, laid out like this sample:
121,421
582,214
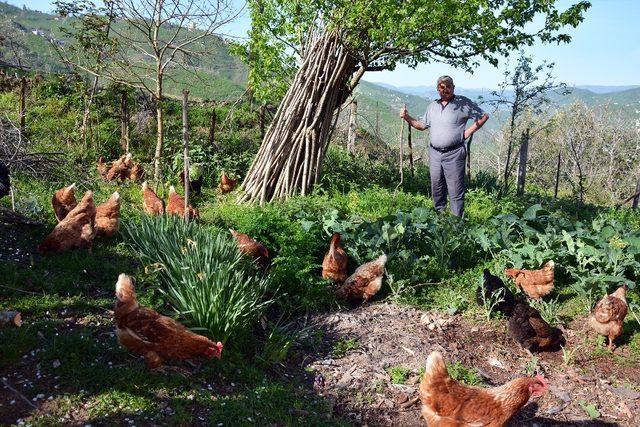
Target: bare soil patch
360,386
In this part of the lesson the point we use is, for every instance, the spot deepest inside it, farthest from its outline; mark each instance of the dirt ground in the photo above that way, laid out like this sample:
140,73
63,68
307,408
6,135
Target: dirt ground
360,387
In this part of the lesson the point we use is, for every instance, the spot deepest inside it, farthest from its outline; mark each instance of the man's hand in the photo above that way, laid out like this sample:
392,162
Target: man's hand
404,113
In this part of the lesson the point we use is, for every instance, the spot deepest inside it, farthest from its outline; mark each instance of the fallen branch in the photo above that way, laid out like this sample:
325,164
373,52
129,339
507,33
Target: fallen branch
17,393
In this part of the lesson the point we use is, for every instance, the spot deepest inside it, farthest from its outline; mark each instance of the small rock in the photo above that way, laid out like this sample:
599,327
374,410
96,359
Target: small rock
56,363
626,393
401,398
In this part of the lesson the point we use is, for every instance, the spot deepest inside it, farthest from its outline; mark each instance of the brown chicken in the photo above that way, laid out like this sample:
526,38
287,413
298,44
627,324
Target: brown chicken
63,201
365,282
447,403
75,231
227,184
153,205
158,338
535,283
252,248
136,173
108,216
102,167
608,316
335,262
175,205
528,328
120,168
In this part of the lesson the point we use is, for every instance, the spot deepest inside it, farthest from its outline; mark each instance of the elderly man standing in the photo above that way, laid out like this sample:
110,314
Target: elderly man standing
447,120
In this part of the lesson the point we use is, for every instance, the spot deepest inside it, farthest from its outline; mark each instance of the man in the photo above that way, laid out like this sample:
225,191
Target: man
447,119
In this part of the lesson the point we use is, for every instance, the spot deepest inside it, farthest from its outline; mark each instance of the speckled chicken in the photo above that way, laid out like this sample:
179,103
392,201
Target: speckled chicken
493,287
63,201
175,205
608,316
108,216
447,403
251,247
153,205
527,327
365,282
158,338
227,184
535,283
335,262
76,230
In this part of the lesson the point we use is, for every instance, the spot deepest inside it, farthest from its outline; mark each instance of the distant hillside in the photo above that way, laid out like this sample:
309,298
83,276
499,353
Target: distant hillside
218,75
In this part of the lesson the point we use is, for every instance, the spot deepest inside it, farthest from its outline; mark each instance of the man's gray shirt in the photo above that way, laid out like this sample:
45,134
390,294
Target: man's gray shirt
447,123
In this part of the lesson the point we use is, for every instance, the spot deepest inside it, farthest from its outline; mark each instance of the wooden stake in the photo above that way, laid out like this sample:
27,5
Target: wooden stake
212,128
522,165
401,153
351,138
410,149
23,106
124,122
469,158
555,192
634,205
185,140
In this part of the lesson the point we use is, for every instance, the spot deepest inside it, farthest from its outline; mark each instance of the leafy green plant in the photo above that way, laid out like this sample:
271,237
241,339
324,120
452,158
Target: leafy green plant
489,302
590,409
342,346
532,365
463,374
549,310
205,278
398,374
569,356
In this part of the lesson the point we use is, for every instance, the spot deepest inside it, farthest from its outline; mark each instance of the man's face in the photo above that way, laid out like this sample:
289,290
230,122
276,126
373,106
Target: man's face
445,89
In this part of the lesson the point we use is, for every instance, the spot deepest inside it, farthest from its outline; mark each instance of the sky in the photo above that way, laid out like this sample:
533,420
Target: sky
605,50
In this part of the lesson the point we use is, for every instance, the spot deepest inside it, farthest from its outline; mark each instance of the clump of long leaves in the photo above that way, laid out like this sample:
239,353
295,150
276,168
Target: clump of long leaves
207,281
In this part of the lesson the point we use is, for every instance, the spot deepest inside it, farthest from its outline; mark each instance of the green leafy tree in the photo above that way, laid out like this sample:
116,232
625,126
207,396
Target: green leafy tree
525,88
338,40
150,41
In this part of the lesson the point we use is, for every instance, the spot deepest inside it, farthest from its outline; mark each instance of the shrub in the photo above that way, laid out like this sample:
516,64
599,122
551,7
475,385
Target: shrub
206,279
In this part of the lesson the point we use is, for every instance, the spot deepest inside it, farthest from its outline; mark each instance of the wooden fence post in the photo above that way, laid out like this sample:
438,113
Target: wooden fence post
23,106
185,139
212,128
469,159
124,122
522,164
555,192
634,205
351,137
410,150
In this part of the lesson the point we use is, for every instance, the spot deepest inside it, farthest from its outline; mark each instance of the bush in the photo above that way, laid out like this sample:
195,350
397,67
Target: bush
206,279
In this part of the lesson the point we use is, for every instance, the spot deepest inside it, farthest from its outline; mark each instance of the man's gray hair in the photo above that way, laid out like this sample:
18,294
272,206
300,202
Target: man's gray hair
444,79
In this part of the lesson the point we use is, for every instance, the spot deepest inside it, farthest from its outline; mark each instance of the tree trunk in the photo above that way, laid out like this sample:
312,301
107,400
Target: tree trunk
555,192
160,128
351,138
124,122
289,160
522,165
87,111
185,140
262,124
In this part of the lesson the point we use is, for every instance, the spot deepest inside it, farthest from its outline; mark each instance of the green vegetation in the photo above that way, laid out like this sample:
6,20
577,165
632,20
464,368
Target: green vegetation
465,375
398,374
342,346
